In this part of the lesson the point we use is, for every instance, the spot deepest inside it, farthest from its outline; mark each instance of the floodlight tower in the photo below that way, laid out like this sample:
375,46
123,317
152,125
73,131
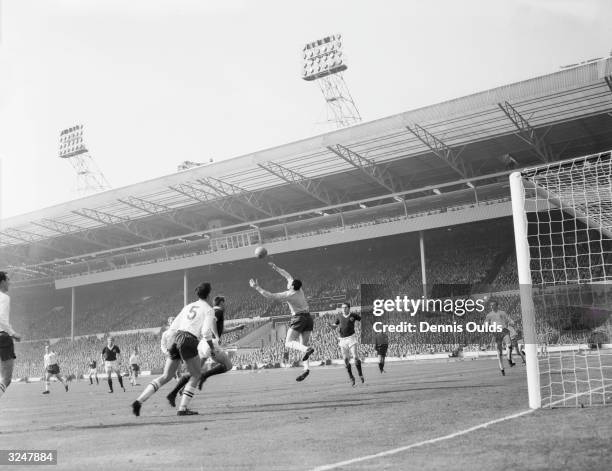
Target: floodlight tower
89,177
324,62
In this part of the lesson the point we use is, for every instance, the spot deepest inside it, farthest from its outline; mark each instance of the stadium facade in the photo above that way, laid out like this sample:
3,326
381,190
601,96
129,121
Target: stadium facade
433,167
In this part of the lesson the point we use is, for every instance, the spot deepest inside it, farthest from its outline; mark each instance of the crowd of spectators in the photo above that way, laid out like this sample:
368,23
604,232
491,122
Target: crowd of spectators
464,255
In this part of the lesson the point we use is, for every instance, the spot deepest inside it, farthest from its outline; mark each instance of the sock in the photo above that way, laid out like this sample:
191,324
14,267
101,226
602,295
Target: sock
295,345
2,389
110,383
347,363
120,380
90,380
151,389
180,384
306,365
358,365
97,380
215,370
47,385
188,394
381,366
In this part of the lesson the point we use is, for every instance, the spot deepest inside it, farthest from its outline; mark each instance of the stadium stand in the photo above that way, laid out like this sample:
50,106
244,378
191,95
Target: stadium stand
465,255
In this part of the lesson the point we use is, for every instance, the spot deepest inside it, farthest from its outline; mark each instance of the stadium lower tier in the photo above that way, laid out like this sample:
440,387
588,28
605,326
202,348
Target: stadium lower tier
465,255
75,356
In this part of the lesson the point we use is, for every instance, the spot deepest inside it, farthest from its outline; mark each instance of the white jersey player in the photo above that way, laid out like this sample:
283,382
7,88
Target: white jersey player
195,321
7,335
52,369
134,367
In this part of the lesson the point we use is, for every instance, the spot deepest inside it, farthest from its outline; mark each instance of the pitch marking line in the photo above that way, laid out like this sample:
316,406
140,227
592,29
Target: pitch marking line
440,439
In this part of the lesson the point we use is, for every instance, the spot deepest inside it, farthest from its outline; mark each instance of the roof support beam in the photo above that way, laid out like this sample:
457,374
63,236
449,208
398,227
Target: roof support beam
249,198
72,230
443,151
157,209
112,220
202,196
370,168
527,133
34,239
309,186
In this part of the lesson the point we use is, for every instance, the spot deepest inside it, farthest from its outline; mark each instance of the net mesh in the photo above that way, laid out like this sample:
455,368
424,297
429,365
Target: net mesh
568,209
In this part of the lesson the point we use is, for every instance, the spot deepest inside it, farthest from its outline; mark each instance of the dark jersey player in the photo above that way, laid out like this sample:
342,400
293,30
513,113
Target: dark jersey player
222,361
381,344
345,323
111,356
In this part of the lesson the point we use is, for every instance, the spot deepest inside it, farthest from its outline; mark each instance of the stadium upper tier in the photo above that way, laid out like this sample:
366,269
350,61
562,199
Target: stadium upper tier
470,142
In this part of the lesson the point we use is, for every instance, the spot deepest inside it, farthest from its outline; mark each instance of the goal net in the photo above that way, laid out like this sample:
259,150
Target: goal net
563,233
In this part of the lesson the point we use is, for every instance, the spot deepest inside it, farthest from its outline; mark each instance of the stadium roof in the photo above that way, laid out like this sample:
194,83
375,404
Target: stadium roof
548,118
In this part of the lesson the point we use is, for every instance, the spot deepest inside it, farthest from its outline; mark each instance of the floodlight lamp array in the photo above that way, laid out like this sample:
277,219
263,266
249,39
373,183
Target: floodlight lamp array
323,57
71,142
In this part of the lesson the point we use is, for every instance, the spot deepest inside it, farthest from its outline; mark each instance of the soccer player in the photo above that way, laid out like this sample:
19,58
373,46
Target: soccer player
222,360
134,368
381,345
7,335
93,371
111,356
301,325
195,321
498,318
345,322
512,343
52,369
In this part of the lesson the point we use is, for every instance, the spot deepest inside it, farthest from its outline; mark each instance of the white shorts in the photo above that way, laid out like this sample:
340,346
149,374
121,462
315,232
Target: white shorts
346,343
221,356
111,366
93,371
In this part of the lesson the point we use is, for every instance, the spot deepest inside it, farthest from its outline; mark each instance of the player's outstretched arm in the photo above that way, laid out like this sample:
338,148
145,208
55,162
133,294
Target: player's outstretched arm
284,273
266,294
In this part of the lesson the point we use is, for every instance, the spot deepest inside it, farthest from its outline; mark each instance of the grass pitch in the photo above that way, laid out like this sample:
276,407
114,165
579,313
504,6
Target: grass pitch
265,420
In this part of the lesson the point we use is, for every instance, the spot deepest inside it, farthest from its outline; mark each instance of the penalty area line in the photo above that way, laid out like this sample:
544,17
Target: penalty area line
394,451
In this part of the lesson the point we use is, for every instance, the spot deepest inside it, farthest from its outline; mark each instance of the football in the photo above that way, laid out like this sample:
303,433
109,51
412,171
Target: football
261,252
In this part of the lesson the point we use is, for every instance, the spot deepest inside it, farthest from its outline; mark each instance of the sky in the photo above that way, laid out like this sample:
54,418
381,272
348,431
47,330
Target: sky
159,82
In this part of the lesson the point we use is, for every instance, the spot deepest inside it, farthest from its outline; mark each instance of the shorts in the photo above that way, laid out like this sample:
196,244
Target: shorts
185,346
346,343
53,369
7,347
499,336
93,371
135,368
111,365
302,322
381,349
221,356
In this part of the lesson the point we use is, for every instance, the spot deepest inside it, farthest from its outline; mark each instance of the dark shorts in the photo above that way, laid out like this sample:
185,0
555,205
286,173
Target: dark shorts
53,369
499,336
7,347
302,322
135,368
381,349
185,346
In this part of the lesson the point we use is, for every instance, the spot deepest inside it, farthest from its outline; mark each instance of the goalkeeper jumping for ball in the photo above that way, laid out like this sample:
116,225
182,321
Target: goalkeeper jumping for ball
301,324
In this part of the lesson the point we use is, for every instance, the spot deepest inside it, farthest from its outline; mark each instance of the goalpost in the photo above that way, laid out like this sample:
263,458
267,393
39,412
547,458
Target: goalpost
562,216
